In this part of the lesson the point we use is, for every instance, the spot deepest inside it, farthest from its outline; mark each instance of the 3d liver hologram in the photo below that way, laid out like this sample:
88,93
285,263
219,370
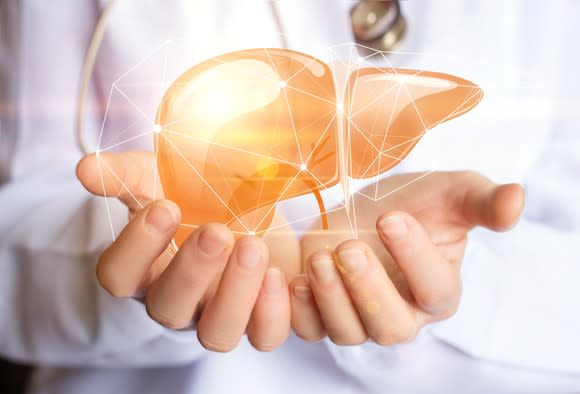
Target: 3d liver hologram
244,130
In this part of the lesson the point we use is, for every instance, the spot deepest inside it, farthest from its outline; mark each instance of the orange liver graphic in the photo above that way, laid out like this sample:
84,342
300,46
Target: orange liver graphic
244,130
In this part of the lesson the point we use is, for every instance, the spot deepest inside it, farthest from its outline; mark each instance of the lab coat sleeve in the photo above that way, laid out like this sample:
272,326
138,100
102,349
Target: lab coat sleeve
52,310
521,292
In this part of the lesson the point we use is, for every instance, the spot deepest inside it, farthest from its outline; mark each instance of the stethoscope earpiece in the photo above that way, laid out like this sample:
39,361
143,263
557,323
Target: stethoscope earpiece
378,24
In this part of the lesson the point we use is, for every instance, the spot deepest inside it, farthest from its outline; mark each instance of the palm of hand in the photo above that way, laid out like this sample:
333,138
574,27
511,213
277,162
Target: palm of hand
438,201
132,178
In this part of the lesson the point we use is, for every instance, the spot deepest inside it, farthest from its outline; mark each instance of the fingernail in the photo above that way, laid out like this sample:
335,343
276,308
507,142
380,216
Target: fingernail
393,227
272,281
161,217
211,243
324,270
303,293
353,260
248,254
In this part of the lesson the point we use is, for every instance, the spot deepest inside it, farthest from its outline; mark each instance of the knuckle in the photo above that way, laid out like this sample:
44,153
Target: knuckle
262,345
166,321
319,255
348,340
351,243
440,301
448,311
219,345
468,175
310,337
402,334
112,282
220,229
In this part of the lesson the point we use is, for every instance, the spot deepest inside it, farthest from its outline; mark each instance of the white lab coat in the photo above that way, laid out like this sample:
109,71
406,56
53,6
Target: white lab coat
517,326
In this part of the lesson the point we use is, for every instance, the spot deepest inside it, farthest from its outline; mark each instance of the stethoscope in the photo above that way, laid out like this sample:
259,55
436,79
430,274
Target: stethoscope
377,25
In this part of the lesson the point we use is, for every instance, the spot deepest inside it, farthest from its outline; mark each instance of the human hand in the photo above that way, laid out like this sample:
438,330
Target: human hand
222,285
391,282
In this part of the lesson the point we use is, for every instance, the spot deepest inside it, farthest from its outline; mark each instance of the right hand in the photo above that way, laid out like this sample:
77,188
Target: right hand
223,286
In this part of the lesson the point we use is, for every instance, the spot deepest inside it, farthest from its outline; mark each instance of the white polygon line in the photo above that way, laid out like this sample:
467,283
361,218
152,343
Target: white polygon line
122,133
402,143
122,183
293,126
276,202
386,135
363,134
227,184
105,118
303,219
374,100
372,134
310,94
110,147
322,137
205,182
456,110
141,62
347,210
133,104
155,169
316,179
196,226
270,151
391,119
155,161
304,66
396,158
406,184
105,196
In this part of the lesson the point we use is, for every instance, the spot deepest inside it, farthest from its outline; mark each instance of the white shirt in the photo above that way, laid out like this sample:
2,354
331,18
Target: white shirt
517,326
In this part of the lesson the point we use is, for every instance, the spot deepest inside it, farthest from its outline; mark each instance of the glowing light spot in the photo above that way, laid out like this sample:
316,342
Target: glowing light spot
157,128
283,84
252,233
303,167
339,107
401,79
371,18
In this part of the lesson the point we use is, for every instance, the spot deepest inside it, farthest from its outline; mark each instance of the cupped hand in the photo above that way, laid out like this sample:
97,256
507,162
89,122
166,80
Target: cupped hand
403,271
223,286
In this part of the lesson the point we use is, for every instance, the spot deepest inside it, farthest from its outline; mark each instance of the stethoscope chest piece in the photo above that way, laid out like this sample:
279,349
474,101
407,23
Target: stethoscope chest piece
378,24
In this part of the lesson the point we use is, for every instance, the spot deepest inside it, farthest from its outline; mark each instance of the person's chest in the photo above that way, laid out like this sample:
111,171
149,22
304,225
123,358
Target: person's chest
516,52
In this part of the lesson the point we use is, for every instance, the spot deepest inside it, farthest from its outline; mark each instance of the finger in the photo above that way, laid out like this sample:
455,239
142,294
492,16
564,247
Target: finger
305,317
122,267
173,298
127,176
269,324
339,314
433,280
497,207
225,318
387,317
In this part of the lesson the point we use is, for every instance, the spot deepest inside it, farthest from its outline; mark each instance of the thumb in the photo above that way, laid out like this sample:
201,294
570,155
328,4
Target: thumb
124,175
497,207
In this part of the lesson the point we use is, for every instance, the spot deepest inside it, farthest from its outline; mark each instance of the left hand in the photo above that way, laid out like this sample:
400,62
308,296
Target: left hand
388,284
221,286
